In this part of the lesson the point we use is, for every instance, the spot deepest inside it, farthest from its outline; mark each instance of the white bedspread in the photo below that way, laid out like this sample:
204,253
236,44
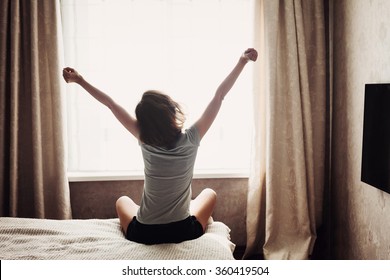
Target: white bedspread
96,239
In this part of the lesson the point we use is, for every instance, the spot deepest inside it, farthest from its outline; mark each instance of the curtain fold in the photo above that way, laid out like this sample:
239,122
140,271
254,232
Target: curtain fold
32,145
287,177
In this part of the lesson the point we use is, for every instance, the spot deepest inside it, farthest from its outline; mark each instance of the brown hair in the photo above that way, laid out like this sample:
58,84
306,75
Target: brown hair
160,119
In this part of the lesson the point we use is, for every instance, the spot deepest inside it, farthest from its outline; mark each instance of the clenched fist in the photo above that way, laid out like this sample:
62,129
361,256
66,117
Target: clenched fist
71,75
250,54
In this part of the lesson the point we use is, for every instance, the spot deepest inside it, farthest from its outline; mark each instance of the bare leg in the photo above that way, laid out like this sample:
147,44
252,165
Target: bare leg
126,209
203,205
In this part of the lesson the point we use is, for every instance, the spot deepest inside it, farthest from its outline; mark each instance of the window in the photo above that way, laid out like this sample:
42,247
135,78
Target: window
182,47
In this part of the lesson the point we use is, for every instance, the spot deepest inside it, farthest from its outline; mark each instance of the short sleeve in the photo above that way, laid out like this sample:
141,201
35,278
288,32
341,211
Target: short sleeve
193,135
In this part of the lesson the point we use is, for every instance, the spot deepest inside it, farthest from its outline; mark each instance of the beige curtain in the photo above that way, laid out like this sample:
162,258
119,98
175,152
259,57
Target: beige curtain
32,154
287,177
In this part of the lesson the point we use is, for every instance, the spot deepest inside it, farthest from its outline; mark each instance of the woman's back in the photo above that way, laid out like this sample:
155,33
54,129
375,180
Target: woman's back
168,176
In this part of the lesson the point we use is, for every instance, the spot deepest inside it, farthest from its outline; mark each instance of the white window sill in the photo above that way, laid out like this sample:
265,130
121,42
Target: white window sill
133,176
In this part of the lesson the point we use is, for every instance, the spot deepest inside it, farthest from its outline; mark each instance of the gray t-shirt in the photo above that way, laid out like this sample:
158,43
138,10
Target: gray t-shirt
168,174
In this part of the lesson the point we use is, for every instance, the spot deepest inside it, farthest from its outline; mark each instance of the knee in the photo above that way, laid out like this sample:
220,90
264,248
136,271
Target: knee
210,193
120,201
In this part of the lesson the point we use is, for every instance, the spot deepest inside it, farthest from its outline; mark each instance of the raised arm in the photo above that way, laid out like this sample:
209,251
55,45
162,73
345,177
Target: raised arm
72,76
209,115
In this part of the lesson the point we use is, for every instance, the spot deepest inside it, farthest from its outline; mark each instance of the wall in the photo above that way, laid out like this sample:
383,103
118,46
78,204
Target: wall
97,200
361,54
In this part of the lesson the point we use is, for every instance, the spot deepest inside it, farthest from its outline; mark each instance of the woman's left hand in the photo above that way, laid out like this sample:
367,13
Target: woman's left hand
71,75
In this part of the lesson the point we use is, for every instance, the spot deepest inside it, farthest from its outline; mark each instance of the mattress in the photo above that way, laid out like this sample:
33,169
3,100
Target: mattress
101,239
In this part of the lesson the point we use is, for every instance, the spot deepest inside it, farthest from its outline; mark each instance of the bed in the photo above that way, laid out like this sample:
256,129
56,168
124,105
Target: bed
98,239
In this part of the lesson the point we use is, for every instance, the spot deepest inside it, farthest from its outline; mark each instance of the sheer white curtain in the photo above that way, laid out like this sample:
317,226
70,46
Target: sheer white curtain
184,48
287,177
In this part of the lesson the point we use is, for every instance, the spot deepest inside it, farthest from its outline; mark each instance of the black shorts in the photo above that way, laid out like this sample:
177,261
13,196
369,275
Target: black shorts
175,232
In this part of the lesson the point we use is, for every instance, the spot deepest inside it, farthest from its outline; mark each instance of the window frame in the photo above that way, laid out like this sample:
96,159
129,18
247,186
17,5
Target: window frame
101,175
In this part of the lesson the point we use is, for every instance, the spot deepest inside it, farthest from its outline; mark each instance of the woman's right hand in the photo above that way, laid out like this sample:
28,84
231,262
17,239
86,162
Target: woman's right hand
249,55
71,75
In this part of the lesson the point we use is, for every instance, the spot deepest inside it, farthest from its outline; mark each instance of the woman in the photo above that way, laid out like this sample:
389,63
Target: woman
166,213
